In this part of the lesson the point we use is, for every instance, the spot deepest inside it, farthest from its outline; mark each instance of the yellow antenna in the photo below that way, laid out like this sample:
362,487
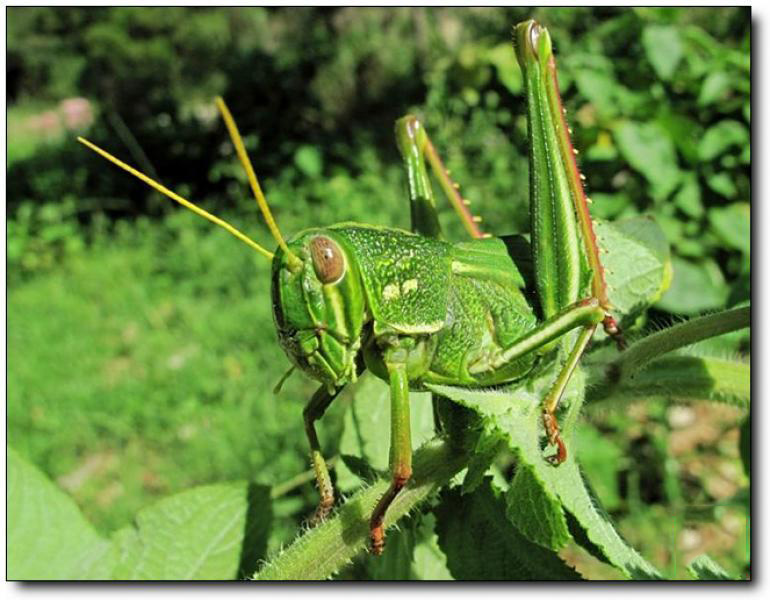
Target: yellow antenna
240,149
177,198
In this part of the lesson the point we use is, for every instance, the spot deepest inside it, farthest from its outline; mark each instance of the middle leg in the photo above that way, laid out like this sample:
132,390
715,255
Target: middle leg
400,451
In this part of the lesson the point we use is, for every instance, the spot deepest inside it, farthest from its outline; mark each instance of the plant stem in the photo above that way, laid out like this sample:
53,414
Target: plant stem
322,551
678,336
681,378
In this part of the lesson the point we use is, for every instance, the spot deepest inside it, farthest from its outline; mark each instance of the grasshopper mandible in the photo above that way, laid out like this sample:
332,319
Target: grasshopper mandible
415,309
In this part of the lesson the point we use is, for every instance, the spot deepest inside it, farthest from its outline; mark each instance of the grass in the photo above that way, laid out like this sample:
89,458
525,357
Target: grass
146,366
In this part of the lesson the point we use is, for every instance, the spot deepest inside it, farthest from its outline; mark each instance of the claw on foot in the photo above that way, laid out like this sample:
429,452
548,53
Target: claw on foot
377,537
554,438
323,510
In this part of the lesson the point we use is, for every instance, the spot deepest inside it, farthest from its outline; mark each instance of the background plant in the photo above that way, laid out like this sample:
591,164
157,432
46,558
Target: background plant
129,381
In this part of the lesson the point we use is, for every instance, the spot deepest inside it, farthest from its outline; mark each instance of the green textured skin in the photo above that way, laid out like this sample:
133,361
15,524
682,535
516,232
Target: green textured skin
454,306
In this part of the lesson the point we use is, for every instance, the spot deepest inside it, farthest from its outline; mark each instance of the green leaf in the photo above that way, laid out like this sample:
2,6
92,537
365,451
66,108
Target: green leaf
481,544
508,71
48,537
706,569
413,553
696,287
430,562
599,88
537,515
718,138
517,413
308,160
487,448
197,534
722,184
637,264
663,48
714,88
733,225
360,468
688,198
601,459
649,150
367,427
608,206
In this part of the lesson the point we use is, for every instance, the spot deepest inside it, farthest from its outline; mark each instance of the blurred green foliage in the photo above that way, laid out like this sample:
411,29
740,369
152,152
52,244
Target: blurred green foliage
141,346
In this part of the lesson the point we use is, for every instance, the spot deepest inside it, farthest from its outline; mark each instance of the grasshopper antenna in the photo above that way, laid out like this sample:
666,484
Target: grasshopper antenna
240,149
177,198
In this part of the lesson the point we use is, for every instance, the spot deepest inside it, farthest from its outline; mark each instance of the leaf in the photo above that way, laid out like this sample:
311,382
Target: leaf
706,569
48,537
522,424
688,198
360,468
722,184
197,534
366,431
663,48
718,138
637,264
733,225
487,448
599,88
714,88
481,544
412,553
309,161
696,287
508,71
537,515
601,459
649,150
430,562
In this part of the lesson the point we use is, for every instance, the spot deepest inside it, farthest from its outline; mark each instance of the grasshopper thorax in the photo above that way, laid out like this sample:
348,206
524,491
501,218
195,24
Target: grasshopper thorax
319,306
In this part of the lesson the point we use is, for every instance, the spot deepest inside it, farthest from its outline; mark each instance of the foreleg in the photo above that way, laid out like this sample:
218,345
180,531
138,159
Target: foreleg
314,411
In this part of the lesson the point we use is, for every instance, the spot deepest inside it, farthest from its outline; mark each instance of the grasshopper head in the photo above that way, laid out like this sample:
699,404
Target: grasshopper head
318,306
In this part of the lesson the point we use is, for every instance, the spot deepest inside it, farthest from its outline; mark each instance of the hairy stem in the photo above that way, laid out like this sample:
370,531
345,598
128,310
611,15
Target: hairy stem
673,338
680,379
322,551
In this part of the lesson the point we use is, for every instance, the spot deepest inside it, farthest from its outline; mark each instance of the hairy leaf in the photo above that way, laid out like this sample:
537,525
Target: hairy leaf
518,415
637,264
197,534
48,537
537,515
696,287
481,544
706,569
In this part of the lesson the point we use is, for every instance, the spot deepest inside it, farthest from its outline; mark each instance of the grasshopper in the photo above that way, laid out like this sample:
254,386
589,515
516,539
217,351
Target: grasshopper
415,309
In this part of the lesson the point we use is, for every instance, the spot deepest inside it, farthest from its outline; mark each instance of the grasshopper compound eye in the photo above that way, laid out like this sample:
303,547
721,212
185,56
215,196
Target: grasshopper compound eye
328,261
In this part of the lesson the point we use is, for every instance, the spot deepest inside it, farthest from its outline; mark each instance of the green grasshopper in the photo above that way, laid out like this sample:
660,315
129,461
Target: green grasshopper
415,309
